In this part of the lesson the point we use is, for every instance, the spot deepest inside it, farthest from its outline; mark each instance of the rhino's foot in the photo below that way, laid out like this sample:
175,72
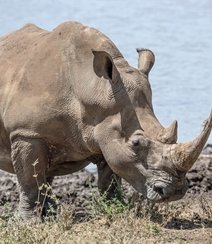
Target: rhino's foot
37,211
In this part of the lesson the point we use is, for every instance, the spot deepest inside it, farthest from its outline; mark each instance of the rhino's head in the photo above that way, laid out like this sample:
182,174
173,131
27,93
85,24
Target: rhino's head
133,142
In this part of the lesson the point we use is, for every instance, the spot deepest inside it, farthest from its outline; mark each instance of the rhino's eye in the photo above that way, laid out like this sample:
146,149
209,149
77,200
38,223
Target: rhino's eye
135,143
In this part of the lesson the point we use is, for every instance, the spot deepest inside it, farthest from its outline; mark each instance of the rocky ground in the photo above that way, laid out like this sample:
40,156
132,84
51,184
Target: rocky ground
77,189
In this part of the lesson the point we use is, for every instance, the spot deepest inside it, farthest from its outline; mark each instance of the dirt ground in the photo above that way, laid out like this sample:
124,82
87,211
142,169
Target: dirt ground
191,220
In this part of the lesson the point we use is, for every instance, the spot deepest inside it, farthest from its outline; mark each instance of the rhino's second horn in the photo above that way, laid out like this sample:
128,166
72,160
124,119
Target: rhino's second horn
168,135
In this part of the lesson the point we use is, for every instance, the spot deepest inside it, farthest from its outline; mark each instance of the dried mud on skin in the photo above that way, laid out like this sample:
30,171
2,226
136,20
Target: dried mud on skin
77,189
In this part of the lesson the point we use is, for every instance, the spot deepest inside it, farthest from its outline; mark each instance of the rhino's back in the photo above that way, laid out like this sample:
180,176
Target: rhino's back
42,72
31,41
42,56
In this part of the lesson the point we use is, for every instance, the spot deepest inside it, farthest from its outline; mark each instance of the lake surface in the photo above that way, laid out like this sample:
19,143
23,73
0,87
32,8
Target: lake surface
178,32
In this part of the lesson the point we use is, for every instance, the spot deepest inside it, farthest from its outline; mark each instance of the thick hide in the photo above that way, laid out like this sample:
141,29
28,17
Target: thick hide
68,98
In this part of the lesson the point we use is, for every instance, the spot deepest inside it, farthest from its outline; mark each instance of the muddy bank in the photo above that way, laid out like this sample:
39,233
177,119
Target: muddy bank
200,175
77,189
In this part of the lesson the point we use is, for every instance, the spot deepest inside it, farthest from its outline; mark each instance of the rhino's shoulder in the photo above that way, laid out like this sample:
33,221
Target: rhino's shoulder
77,32
85,38
69,26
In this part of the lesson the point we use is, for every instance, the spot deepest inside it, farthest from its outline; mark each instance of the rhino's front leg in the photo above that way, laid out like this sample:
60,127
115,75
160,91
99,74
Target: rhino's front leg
30,159
108,182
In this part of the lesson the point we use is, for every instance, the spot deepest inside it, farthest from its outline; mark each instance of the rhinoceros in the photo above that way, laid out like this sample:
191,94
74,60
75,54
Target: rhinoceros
69,98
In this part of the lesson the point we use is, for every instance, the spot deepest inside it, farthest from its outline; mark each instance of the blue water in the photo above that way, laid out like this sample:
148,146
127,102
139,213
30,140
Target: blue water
178,32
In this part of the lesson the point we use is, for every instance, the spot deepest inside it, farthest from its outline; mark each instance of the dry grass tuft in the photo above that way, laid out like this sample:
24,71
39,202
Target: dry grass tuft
139,221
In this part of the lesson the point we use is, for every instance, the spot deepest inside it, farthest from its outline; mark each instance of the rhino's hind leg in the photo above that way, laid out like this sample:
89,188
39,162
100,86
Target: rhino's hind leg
108,182
30,159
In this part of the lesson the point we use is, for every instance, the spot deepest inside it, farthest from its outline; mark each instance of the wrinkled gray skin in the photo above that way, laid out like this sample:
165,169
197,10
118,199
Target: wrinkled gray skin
68,98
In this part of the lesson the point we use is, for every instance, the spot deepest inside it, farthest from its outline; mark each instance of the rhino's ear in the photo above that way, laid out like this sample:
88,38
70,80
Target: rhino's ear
146,60
103,66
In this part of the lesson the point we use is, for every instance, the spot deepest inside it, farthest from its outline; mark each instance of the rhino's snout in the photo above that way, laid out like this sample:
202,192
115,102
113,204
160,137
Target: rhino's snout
161,192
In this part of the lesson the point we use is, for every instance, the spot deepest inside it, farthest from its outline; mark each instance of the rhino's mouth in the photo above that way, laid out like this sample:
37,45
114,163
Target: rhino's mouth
162,192
155,193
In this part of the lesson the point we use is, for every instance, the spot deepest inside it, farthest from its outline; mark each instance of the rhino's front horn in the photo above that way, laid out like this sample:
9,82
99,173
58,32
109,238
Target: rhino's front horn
146,60
168,135
184,155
